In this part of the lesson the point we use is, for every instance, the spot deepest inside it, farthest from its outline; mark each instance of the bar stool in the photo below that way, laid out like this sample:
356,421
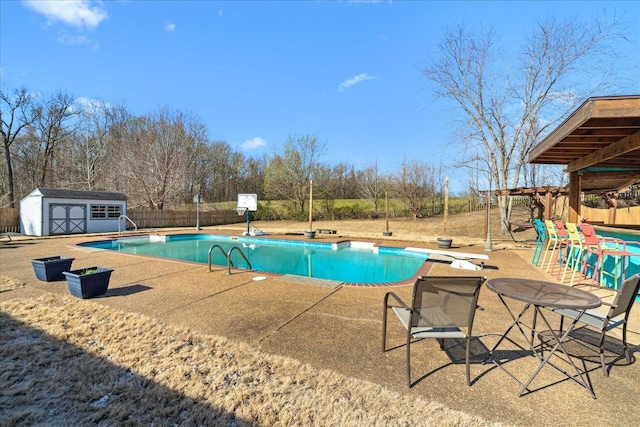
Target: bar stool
557,240
575,251
562,236
594,245
616,249
542,242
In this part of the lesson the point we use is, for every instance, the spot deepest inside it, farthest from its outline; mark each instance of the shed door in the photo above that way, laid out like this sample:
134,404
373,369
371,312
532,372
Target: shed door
67,219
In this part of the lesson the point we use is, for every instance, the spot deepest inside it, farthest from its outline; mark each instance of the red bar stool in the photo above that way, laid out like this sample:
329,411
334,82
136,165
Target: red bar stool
606,247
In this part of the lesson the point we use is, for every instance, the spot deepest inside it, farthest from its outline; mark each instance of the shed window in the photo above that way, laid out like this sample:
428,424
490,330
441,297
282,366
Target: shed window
106,211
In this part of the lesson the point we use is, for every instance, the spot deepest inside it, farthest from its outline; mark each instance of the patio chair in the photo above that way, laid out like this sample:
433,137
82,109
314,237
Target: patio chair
563,246
575,252
558,242
617,250
542,241
440,307
617,315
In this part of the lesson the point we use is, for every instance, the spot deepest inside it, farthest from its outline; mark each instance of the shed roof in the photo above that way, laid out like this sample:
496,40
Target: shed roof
61,193
600,140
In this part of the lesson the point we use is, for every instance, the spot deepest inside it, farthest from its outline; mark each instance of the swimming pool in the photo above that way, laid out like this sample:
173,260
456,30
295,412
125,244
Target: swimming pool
351,262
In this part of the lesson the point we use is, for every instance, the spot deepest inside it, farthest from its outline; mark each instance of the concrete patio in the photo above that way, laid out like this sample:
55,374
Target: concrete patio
340,329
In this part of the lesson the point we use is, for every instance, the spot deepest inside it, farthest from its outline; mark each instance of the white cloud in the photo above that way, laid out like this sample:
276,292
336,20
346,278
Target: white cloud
170,27
70,39
253,143
565,97
353,81
93,105
77,13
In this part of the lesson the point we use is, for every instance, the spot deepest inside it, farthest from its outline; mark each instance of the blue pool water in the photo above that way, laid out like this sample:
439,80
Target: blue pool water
350,262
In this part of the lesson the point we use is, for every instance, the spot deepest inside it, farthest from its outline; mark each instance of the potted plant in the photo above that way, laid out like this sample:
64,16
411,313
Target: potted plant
88,282
51,268
444,243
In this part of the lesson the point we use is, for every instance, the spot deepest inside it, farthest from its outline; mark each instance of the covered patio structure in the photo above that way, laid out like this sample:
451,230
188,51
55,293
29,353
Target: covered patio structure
545,197
600,145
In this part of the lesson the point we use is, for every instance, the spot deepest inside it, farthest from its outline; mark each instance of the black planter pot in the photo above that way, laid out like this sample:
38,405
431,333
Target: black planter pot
88,285
387,233
444,243
50,269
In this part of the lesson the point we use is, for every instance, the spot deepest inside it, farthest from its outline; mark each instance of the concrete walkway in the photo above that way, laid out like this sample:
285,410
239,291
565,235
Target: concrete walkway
340,329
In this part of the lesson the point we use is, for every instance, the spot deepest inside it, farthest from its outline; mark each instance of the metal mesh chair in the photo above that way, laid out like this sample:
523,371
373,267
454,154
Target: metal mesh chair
616,316
440,308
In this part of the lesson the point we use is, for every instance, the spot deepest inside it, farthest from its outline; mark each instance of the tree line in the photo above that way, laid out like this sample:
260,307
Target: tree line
164,158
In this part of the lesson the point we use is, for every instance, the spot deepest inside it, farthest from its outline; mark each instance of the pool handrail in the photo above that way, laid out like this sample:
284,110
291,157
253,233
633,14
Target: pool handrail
227,256
230,263
209,255
126,218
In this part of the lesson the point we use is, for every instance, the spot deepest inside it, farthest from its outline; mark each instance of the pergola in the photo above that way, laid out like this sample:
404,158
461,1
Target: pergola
599,143
545,197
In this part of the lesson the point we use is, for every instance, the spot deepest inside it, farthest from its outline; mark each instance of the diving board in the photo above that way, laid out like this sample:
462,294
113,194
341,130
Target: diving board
460,260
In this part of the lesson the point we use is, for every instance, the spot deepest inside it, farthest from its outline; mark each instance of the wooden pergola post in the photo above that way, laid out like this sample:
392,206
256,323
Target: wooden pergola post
612,202
548,202
574,196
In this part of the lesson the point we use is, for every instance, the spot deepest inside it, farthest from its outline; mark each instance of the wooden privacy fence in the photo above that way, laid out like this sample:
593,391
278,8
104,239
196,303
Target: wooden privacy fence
166,218
9,220
622,215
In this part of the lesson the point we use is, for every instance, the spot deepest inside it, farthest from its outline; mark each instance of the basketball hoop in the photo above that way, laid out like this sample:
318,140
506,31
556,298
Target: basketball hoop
241,211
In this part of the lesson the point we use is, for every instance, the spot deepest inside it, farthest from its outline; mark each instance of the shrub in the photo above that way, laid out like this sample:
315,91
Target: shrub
355,211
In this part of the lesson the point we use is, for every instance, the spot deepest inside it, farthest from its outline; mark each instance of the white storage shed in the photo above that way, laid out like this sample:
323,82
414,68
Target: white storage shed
53,211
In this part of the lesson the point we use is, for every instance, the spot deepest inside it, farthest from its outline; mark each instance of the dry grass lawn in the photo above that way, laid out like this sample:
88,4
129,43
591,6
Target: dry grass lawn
8,284
465,229
65,361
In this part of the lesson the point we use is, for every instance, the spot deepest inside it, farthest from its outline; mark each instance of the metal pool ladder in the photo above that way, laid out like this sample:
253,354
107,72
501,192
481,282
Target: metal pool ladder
125,227
228,257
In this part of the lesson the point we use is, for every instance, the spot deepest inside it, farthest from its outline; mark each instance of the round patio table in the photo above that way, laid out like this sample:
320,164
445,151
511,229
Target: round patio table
541,294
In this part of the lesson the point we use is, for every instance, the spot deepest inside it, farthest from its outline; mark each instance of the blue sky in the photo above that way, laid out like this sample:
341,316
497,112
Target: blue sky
257,72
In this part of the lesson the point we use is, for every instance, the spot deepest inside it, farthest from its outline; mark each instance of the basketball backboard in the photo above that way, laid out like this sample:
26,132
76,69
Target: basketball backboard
249,201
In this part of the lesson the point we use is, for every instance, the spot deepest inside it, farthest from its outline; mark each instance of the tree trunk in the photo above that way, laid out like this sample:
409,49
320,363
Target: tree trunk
7,157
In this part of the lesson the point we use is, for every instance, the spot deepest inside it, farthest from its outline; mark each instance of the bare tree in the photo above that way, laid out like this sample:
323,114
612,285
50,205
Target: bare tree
371,185
415,184
52,126
509,107
254,181
287,175
16,116
157,149
90,147
216,163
